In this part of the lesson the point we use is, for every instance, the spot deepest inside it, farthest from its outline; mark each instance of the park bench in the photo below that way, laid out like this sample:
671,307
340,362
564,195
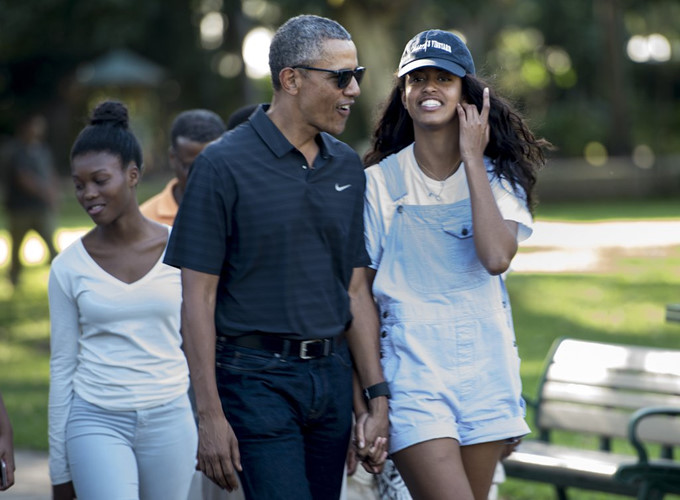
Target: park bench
609,392
673,312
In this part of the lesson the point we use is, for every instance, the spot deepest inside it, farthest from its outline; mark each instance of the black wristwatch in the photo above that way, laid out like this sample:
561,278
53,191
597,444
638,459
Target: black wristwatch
377,390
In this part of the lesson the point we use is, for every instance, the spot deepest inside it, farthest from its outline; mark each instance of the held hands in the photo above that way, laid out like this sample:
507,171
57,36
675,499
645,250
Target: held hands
474,128
218,454
370,443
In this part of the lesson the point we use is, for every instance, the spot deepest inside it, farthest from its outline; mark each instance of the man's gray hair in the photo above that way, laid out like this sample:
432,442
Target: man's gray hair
298,42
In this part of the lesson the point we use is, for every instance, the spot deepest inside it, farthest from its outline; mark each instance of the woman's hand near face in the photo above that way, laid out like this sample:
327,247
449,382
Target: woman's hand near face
474,128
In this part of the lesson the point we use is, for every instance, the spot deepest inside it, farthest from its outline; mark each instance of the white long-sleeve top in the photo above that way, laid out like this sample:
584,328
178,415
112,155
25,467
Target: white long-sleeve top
116,345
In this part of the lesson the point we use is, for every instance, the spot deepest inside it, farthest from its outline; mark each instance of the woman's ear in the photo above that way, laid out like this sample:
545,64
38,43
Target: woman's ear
133,174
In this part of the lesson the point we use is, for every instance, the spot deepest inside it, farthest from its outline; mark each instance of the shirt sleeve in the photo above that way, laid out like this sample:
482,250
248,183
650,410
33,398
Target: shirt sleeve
356,235
374,227
64,335
512,205
201,230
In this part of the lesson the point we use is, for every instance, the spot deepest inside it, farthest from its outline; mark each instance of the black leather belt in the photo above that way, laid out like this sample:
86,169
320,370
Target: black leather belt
304,349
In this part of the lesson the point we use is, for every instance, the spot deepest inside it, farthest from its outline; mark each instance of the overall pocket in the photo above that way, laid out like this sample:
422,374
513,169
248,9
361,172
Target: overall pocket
441,257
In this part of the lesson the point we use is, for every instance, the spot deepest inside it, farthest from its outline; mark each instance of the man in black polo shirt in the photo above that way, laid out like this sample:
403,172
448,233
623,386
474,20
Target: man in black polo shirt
269,237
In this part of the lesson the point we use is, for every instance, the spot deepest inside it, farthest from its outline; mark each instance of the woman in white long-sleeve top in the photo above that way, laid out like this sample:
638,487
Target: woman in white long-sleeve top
120,421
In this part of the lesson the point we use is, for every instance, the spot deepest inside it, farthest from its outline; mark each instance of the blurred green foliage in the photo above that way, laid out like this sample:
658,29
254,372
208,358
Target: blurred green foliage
563,63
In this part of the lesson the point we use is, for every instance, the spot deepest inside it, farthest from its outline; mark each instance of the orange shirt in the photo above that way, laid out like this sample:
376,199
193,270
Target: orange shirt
162,207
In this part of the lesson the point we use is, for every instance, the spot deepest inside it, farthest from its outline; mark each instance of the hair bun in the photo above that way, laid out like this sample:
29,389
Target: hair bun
112,112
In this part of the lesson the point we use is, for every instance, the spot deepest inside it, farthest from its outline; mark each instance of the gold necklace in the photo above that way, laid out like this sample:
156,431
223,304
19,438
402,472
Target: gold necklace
422,168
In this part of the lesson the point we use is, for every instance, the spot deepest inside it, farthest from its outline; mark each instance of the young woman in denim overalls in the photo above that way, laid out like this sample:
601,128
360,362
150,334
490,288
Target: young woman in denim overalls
447,200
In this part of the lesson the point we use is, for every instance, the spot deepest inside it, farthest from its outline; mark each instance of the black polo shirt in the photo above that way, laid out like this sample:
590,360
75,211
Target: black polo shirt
283,238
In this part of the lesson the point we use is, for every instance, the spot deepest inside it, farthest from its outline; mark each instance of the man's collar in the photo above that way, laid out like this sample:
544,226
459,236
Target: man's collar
277,142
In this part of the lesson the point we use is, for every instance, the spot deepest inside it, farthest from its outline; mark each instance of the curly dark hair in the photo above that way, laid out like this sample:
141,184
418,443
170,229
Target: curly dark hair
109,131
516,153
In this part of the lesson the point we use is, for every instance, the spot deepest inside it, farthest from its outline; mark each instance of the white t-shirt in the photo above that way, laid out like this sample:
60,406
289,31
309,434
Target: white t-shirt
421,190
116,345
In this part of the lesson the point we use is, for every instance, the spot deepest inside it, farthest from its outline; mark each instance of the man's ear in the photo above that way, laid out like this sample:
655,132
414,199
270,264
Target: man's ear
290,80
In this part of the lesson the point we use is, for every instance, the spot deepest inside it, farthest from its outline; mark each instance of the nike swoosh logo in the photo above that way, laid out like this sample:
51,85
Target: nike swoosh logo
341,188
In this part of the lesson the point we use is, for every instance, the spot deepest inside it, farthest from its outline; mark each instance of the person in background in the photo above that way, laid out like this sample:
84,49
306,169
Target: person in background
449,195
31,189
191,131
269,237
120,420
240,115
6,447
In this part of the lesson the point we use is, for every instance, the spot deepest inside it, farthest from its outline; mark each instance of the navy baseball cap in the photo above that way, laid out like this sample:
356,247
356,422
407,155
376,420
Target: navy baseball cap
439,49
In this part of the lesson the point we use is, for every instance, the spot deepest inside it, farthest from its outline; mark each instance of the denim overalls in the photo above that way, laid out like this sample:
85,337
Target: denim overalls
447,340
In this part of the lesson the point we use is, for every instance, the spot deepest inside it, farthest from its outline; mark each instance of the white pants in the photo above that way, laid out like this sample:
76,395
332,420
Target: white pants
131,455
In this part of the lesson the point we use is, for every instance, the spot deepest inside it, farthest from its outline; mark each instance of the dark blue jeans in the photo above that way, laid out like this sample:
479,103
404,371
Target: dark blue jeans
292,418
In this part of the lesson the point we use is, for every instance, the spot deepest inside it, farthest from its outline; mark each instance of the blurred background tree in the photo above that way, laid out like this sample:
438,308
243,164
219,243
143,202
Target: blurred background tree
599,78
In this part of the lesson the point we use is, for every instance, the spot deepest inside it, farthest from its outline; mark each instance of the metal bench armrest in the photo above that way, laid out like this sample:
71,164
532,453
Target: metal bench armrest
635,420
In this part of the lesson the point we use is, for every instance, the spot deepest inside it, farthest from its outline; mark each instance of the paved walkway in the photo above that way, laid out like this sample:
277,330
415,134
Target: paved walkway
569,247
31,481
555,247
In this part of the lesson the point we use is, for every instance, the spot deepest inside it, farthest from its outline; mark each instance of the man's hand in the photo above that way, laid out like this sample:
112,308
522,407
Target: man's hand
372,431
218,454
352,459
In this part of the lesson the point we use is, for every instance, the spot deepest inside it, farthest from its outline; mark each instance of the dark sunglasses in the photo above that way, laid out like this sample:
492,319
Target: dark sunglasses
344,76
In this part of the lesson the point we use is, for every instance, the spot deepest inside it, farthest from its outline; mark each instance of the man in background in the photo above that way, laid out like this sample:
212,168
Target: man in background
32,188
191,131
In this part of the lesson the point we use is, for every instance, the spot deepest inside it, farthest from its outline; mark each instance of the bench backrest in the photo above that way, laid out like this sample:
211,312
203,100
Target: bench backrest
593,387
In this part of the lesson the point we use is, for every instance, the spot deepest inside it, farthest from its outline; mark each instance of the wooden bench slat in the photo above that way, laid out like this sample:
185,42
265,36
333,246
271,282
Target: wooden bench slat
583,353
592,461
607,422
564,466
582,419
605,396
624,379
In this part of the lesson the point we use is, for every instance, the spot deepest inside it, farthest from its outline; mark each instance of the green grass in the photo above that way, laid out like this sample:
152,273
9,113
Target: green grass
624,303
24,356
590,211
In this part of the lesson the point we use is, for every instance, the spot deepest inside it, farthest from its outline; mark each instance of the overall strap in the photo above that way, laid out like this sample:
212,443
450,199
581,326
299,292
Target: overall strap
394,177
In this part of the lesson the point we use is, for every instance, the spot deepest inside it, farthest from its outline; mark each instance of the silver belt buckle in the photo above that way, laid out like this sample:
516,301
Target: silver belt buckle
305,343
